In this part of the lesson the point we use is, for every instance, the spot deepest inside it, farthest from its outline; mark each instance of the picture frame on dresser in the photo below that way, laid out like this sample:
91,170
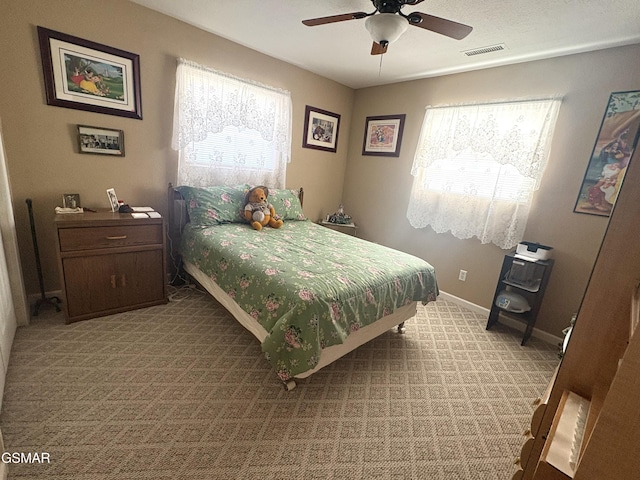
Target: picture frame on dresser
113,199
86,75
71,200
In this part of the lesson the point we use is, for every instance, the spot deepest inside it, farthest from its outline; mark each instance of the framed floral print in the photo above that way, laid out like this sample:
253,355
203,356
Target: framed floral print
88,76
320,129
383,135
613,149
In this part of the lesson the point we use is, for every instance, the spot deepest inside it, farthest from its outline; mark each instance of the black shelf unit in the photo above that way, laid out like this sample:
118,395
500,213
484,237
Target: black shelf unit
529,280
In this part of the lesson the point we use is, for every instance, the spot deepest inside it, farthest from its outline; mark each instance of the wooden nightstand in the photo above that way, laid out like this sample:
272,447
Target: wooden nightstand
349,229
110,263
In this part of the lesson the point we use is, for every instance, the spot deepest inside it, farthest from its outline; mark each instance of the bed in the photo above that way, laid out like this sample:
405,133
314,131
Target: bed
309,294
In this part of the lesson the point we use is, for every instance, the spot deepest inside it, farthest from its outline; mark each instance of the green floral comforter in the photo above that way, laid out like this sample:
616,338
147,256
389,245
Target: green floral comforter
307,285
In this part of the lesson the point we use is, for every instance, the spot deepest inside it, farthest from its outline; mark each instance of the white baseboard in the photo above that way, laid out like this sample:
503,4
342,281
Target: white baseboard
539,334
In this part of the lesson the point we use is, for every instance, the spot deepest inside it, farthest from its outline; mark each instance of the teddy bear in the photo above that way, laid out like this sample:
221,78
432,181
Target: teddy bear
258,211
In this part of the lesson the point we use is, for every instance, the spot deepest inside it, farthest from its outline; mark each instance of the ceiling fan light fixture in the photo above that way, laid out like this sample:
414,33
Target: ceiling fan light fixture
386,27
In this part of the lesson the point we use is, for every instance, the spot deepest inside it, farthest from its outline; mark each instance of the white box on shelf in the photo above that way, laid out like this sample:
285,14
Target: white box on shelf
533,251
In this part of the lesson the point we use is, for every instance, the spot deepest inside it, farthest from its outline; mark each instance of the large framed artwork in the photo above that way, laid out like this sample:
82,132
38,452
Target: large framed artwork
614,146
320,129
383,135
88,76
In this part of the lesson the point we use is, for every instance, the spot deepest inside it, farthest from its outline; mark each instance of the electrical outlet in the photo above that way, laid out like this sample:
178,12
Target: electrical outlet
462,276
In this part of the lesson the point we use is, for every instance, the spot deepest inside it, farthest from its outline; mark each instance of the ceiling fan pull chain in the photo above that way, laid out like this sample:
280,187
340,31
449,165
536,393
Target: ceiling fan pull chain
380,68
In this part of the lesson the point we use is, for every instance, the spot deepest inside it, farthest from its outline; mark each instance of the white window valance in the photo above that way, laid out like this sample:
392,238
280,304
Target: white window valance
476,168
228,129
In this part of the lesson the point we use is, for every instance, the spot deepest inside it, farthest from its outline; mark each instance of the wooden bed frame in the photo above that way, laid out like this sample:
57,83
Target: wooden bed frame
178,218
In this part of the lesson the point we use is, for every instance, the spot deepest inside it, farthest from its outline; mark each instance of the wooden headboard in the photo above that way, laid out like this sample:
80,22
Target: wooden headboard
178,214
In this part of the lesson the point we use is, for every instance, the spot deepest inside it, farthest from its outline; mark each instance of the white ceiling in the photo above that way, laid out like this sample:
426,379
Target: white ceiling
529,29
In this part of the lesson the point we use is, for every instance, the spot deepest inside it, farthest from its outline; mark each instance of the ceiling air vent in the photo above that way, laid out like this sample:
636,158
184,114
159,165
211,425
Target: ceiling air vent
482,50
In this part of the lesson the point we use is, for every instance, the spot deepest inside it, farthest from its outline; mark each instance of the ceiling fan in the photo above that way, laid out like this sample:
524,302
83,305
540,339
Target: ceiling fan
387,22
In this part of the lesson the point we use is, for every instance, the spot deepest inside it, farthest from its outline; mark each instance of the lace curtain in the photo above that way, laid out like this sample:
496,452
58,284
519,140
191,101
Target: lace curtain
229,130
476,168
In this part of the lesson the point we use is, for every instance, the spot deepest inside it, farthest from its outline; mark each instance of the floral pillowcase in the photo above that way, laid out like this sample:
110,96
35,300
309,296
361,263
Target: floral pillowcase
286,203
209,206
220,204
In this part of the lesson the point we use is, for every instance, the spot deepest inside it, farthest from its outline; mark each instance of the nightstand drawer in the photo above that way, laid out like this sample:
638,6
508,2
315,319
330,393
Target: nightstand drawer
91,238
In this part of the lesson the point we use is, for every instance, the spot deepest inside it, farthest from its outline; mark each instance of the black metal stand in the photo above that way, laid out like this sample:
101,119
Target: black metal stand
533,294
43,300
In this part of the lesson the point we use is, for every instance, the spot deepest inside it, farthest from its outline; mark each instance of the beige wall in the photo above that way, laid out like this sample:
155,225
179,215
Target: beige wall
377,188
40,139
43,161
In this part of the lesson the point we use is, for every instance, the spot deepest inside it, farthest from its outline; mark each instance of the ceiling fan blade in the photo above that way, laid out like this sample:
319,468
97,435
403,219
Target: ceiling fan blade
334,18
377,49
439,25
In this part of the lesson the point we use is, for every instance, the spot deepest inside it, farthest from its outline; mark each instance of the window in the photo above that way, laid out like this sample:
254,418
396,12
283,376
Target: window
477,166
229,130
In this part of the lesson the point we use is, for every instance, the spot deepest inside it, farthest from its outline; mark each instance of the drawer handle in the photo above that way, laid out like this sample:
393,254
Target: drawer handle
113,281
117,237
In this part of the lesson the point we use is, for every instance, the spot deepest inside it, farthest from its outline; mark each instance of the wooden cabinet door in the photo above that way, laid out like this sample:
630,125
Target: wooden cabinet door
140,277
106,283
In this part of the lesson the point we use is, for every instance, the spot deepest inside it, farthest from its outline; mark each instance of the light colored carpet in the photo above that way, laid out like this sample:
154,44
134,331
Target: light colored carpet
183,392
